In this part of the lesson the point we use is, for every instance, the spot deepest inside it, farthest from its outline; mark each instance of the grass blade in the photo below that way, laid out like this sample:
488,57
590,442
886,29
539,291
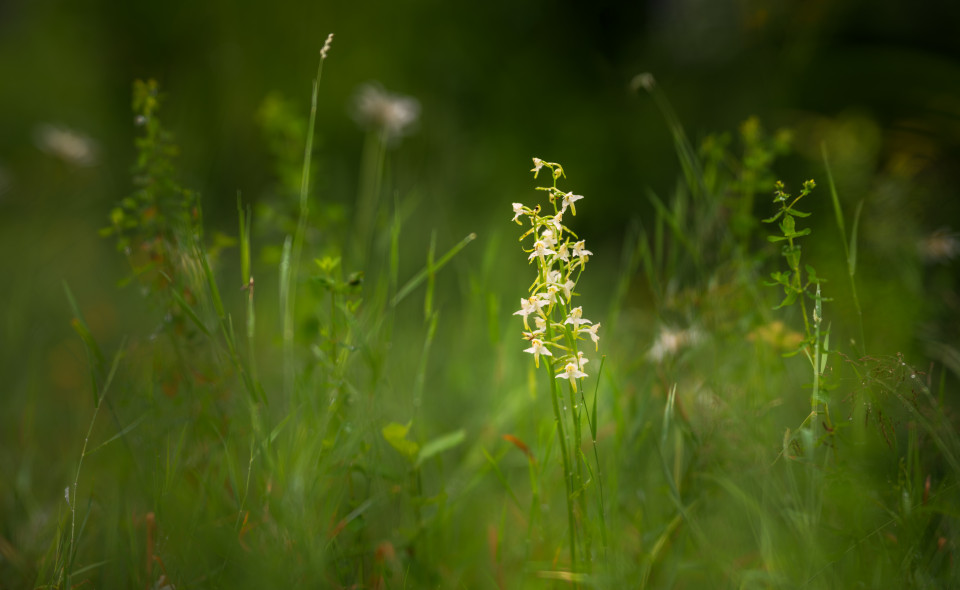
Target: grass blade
849,246
127,429
418,278
95,356
439,445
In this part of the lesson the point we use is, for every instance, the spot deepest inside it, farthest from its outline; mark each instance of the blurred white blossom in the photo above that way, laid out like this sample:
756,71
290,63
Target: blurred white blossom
392,114
70,146
940,246
671,341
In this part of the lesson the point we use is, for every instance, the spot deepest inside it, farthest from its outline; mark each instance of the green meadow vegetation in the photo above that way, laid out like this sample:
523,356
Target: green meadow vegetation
348,397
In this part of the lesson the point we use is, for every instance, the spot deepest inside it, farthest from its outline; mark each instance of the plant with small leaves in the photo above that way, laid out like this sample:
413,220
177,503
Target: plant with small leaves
148,223
815,344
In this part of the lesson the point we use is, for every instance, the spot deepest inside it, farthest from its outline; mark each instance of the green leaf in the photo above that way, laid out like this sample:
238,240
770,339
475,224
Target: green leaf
788,225
792,254
245,222
95,356
127,429
396,435
440,444
779,278
189,311
327,264
788,300
796,213
774,218
812,275
418,278
852,254
201,255
674,222
500,476
826,350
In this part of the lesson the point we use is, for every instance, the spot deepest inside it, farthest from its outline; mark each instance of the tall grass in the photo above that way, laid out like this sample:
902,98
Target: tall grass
304,413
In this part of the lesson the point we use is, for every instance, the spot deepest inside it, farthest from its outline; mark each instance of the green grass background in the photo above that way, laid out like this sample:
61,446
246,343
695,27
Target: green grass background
695,495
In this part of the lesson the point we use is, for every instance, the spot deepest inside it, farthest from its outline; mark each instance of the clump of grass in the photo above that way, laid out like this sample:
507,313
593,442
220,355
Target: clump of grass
209,476
805,519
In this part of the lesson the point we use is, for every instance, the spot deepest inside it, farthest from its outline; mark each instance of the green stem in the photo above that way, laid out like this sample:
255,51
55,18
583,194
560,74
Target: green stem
577,456
592,422
289,287
564,452
567,472
374,156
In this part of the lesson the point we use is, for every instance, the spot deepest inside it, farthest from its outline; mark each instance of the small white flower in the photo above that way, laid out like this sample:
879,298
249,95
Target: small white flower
568,200
541,328
536,349
592,330
537,165
554,277
555,222
575,317
571,373
580,360
541,325
540,250
528,306
517,212
580,252
563,253
551,294
548,238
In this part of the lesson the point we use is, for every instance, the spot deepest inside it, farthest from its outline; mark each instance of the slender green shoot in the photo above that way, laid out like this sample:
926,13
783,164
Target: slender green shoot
292,258
849,245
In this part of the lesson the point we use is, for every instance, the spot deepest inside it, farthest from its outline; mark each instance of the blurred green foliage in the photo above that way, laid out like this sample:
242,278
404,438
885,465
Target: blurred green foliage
876,82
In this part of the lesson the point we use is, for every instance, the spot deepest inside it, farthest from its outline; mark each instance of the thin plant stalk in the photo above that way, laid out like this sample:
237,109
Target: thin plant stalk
567,472
849,244
287,287
374,159
72,550
592,422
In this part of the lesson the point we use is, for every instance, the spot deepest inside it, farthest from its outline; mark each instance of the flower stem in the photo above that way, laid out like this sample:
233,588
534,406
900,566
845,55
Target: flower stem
561,433
564,453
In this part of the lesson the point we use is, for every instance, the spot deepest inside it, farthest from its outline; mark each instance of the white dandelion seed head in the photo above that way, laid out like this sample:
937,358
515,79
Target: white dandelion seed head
393,114
70,146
